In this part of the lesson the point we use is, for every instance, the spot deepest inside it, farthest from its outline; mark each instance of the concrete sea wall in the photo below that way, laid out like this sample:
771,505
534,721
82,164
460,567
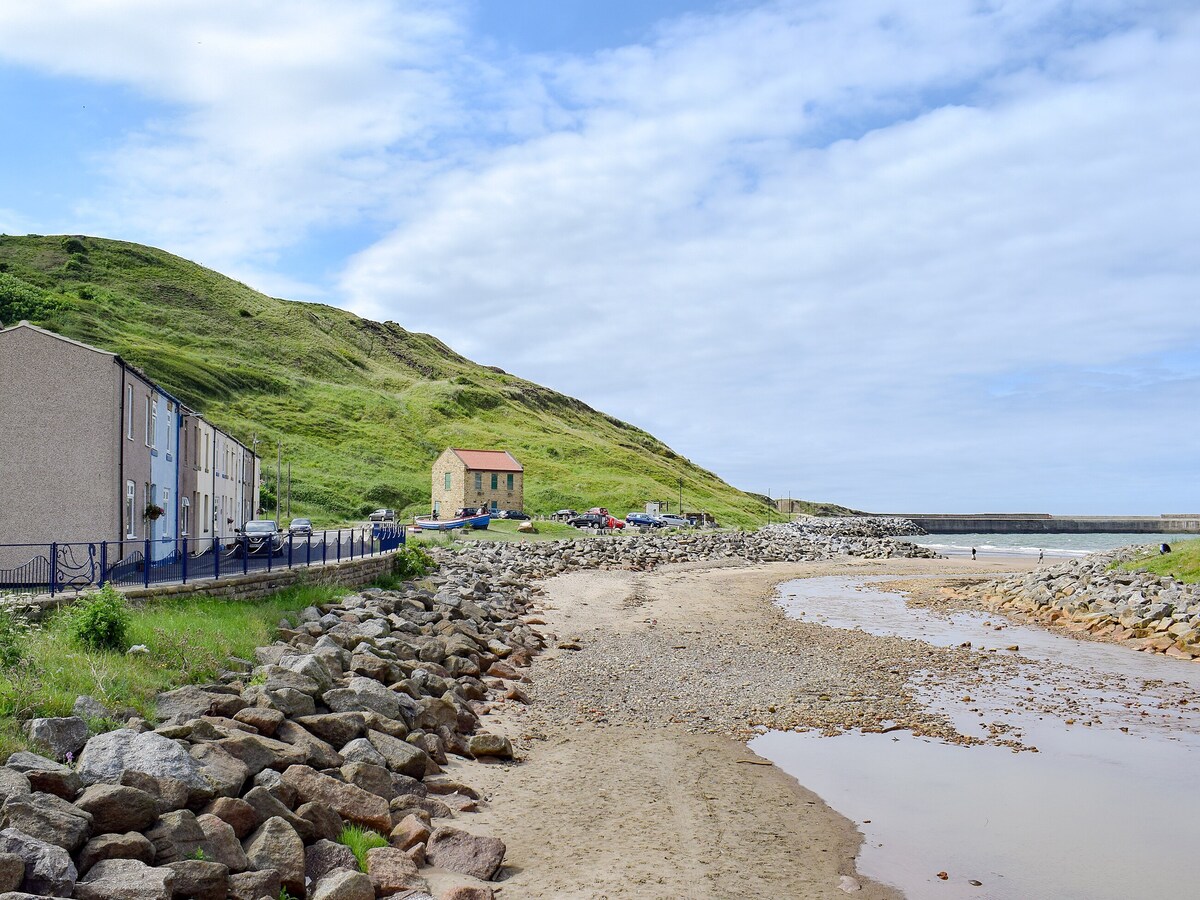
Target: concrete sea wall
1044,523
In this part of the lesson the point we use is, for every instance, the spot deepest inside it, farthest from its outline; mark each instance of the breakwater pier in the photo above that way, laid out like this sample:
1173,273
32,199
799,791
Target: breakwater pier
1045,523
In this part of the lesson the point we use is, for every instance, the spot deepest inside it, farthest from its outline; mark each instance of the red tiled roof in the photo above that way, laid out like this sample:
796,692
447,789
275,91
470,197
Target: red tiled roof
489,460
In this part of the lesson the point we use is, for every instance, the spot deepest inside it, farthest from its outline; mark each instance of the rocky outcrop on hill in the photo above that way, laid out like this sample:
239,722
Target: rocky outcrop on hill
1137,609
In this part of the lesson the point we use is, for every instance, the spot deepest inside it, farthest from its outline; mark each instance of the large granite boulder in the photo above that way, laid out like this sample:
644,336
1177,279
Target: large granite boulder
130,845
222,843
107,755
276,845
125,879
471,854
344,886
199,879
176,835
399,755
46,775
62,737
49,871
47,818
348,801
327,856
116,808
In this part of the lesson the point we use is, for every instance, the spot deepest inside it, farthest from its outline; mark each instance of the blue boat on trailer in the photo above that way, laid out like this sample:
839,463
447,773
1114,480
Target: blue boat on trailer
429,523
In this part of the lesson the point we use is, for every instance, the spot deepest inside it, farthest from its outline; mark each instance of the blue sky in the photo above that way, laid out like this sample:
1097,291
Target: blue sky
910,257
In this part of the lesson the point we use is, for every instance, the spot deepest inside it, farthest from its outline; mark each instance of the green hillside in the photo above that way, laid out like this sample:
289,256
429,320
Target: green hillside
361,408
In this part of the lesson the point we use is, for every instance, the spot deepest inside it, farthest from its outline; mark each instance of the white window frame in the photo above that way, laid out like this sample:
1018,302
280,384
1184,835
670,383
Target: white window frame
147,420
130,509
153,429
129,411
185,515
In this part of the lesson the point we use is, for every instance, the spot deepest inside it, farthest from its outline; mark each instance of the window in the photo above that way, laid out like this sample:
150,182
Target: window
206,519
479,481
147,420
166,503
130,506
510,482
129,411
153,429
170,425
495,481
206,466
185,515
447,481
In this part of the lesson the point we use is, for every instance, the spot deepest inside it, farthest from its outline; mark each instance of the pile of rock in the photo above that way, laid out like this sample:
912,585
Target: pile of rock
1137,609
801,541
243,788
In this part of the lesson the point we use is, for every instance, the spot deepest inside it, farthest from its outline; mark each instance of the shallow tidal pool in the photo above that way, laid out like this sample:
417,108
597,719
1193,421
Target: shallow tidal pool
1104,810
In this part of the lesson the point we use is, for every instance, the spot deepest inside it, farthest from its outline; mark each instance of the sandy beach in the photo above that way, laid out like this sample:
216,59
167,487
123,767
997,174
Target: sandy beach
635,780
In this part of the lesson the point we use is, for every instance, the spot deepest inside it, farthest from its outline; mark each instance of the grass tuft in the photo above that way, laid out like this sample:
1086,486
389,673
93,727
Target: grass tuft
360,840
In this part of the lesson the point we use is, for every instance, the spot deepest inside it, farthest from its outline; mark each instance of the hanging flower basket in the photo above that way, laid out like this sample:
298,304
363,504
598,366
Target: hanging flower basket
153,512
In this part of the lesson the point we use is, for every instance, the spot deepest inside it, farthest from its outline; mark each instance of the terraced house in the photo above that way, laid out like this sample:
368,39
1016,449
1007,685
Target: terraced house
91,449
474,478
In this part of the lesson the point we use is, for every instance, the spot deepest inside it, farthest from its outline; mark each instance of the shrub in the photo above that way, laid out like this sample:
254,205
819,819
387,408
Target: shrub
101,622
412,562
14,633
360,840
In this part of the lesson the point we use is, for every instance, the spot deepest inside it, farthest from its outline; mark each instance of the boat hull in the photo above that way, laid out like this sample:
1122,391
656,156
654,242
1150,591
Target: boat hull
478,523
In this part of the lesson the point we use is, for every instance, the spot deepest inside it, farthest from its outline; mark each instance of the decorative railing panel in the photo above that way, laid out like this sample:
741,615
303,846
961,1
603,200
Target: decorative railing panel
75,566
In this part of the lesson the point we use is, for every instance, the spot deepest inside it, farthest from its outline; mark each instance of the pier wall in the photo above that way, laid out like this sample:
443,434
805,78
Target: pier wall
1044,523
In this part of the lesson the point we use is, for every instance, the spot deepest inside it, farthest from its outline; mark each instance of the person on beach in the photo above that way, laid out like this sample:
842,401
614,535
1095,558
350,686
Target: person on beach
972,553
1041,555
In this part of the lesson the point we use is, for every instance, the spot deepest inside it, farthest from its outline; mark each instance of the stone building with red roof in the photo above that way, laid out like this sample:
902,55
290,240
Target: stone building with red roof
469,479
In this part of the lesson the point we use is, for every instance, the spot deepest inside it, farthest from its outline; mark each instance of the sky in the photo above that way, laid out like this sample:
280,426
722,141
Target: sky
912,257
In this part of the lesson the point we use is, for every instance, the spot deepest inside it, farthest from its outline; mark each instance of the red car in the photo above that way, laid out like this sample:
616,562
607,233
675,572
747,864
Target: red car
614,522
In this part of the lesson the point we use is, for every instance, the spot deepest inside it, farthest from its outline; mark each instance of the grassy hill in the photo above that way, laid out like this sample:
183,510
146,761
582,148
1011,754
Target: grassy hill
362,408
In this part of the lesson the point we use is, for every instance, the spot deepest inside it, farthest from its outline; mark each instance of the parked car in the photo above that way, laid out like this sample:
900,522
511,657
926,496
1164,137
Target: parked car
589,520
564,515
675,521
644,520
383,515
261,537
614,522
515,514
300,526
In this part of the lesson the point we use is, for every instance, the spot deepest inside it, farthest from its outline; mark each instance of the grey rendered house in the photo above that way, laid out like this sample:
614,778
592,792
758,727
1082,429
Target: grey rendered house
90,449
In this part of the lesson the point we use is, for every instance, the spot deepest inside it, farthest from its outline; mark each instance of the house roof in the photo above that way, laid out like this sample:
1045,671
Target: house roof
489,460
58,337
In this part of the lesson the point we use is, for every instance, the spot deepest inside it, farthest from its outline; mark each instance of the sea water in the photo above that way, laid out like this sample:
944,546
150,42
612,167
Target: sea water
1052,545
1104,810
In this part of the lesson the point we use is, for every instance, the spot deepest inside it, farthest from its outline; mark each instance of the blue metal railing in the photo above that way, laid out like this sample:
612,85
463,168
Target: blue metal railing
61,566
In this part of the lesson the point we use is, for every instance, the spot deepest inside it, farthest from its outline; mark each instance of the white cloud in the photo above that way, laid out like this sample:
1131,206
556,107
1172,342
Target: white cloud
702,238
279,118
